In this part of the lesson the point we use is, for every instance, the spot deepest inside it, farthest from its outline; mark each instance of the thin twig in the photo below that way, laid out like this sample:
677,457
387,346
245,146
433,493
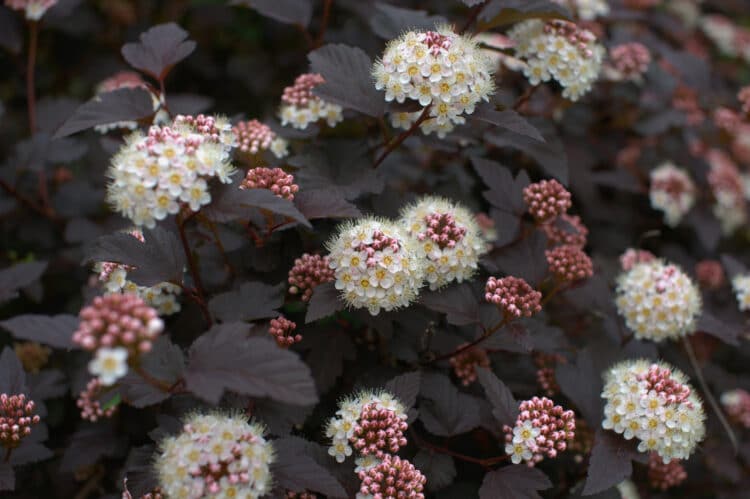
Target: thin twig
485,334
463,457
156,383
525,96
200,294
324,22
404,135
472,17
46,212
707,393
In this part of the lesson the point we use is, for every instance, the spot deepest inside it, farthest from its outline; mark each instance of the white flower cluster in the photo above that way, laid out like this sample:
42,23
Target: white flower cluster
672,191
741,288
300,107
448,239
560,50
658,301
440,69
152,175
109,364
730,38
341,427
216,455
376,265
655,404
587,10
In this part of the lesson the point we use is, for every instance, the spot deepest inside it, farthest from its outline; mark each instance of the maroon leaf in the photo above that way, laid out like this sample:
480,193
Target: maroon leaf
458,302
325,301
329,348
714,326
732,266
610,462
232,203
7,477
55,330
89,444
502,12
389,21
125,104
348,80
225,358
439,469
285,11
445,411
506,193
12,375
253,301
504,406
582,384
158,50
295,470
165,362
507,119
18,276
280,418
324,204
514,482
525,259
405,387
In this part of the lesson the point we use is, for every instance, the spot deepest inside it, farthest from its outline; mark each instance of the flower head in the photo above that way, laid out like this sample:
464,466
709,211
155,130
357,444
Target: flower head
109,364
16,419
440,69
672,191
560,50
447,238
542,429
254,137
744,97
658,301
513,296
153,175
630,61
728,190
372,423
663,475
569,263
282,329
654,403
300,107
587,10
308,272
736,403
545,372
88,402
633,256
33,9
377,266
391,478
546,200
741,288
465,363
566,229
275,180
216,455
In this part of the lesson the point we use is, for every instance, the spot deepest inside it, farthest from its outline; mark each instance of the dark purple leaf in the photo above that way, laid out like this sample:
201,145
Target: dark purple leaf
295,470
445,411
189,104
280,418
348,80
525,259
160,259
660,122
504,406
704,224
139,470
165,362
325,301
90,443
503,12
46,384
514,482
233,203
610,462
324,204
12,375
505,193
507,119
582,384
458,302
514,337
158,50
125,104
55,330
618,179
329,349
728,333
225,358
30,452
405,387
18,276
7,477
253,301
438,468
389,21
284,11
732,266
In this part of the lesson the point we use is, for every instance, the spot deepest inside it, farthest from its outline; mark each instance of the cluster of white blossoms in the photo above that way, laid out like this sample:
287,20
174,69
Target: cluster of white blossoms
658,301
300,107
114,278
655,404
216,455
153,175
560,50
587,10
741,288
377,266
440,69
448,236
345,429
672,191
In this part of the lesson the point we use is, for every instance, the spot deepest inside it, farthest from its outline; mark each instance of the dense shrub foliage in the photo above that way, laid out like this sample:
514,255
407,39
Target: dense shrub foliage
349,249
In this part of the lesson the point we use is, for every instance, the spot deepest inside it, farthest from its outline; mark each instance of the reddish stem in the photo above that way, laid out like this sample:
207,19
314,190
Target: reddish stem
525,96
324,22
404,135
485,334
199,290
472,17
485,463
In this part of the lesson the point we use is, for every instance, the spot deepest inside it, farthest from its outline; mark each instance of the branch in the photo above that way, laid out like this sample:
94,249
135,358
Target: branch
404,135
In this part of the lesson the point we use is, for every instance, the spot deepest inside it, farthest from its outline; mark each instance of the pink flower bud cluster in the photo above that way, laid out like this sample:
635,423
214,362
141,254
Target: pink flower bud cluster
736,403
118,320
275,180
379,243
566,229
630,60
254,137
300,495
88,403
443,230
744,97
633,256
710,274
569,263
282,329
436,42
204,125
122,79
513,296
664,476
546,200
545,373
378,432
660,380
308,272
576,36
465,363
16,418
393,477
300,93
542,430
34,9
726,119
